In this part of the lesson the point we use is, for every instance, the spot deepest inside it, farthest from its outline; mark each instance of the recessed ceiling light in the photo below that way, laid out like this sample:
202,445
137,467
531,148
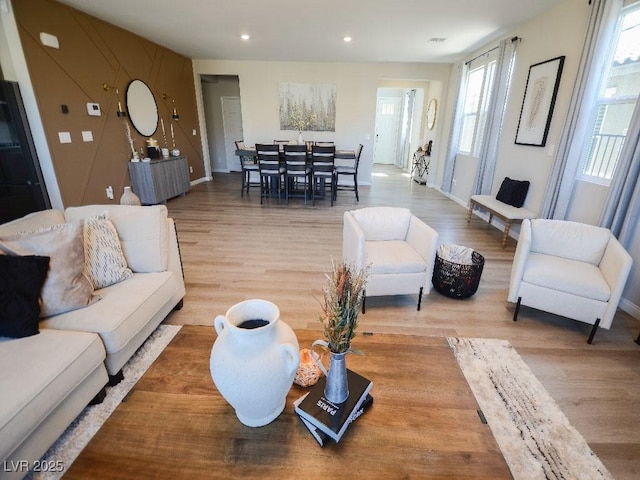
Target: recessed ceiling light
347,39
244,36
437,39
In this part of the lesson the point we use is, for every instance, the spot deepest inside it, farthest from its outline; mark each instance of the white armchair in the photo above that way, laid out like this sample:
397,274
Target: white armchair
398,247
570,269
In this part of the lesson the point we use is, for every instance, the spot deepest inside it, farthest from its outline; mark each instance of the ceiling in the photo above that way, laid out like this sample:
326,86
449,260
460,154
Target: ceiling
313,30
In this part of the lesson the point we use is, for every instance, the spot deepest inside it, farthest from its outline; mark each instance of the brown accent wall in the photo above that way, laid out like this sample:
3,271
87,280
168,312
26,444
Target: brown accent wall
91,53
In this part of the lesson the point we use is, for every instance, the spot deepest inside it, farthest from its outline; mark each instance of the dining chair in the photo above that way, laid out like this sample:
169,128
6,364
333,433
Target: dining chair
248,164
323,170
349,171
271,171
297,170
324,144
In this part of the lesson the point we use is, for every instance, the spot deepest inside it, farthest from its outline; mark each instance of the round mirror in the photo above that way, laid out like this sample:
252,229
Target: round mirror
142,108
432,110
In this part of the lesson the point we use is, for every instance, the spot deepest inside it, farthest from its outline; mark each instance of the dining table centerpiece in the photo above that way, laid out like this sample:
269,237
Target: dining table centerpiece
343,295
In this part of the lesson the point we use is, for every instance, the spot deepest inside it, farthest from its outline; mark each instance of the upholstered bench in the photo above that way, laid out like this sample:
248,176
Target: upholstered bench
500,209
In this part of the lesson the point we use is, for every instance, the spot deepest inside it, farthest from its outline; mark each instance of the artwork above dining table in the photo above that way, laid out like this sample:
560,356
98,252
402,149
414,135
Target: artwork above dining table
308,107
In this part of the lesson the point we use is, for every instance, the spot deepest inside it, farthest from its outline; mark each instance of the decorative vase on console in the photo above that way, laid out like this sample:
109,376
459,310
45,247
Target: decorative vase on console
129,198
254,360
342,300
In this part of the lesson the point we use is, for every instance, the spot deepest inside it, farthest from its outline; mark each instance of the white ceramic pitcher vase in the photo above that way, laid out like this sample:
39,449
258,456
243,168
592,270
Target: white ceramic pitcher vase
253,368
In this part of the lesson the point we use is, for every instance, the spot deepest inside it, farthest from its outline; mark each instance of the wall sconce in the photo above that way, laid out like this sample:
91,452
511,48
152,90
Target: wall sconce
174,113
107,88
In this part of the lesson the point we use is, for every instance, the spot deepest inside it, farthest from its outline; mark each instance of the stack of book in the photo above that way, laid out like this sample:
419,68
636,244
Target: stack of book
326,420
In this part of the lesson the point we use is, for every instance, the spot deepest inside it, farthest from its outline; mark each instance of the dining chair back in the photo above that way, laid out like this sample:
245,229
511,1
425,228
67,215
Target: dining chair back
349,171
323,170
324,144
297,171
248,165
271,171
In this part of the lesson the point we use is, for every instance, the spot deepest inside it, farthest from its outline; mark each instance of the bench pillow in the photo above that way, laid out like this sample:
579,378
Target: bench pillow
513,192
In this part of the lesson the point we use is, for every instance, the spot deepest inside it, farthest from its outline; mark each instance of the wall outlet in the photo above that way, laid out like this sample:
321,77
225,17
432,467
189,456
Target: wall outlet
194,132
190,169
110,192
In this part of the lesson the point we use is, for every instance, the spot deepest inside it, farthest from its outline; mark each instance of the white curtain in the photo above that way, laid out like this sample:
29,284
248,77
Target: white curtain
621,211
454,136
495,116
567,161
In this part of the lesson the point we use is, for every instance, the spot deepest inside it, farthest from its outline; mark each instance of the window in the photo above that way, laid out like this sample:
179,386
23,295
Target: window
617,98
476,101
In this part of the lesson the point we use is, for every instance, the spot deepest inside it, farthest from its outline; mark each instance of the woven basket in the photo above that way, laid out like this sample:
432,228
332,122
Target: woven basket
456,280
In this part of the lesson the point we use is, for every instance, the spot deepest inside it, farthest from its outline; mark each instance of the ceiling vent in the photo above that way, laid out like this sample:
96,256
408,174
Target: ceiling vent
437,39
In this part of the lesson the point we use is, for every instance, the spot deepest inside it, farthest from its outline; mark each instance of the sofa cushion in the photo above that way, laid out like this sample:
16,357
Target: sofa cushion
143,232
104,261
572,240
21,281
571,276
383,223
66,288
513,192
393,256
31,222
37,375
124,309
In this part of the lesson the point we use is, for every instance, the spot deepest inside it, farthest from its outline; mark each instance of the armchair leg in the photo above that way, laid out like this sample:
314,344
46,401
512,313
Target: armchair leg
637,340
515,314
593,331
420,298
364,297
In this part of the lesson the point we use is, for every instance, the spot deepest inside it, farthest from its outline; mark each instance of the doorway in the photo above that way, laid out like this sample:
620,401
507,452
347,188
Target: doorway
223,116
399,125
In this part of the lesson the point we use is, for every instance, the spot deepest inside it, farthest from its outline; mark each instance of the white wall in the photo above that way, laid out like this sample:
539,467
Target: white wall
356,86
559,31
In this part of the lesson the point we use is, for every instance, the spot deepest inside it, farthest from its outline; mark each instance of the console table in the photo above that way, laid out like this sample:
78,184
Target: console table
159,180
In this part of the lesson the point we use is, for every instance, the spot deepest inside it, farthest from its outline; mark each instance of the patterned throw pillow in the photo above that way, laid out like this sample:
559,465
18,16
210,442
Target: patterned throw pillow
105,263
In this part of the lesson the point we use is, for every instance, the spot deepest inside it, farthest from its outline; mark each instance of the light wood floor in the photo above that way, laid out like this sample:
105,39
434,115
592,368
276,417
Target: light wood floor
234,249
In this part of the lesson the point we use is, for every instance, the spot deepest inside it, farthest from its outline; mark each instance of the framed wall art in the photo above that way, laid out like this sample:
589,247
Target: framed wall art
539,100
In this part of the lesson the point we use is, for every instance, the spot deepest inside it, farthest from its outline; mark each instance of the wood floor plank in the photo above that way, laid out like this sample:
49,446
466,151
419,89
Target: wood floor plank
221,236
223,239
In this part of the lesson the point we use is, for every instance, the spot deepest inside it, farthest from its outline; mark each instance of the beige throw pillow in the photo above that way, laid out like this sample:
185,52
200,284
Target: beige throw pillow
104,260
66,288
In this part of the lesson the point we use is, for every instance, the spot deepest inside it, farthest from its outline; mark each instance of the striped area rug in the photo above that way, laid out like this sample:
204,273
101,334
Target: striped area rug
81,431
535,437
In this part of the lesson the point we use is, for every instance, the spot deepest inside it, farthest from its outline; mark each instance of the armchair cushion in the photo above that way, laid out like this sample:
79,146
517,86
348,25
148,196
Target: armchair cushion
393,256
383,223
573,240
570,276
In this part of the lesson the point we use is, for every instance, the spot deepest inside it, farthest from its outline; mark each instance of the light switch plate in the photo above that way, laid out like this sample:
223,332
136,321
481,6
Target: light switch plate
65,137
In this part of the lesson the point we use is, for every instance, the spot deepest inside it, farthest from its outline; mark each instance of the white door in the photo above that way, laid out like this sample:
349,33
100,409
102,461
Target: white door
388,116
232,125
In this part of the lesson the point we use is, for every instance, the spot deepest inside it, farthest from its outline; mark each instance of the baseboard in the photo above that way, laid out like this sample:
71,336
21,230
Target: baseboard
630,308
200,180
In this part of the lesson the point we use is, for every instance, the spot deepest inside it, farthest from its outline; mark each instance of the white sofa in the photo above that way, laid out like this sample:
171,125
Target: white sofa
571,269
47,379
397,246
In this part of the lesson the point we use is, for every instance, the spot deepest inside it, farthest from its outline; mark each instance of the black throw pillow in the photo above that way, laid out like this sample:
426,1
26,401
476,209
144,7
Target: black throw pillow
21,281
513,192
